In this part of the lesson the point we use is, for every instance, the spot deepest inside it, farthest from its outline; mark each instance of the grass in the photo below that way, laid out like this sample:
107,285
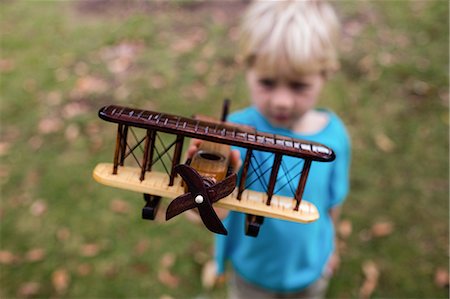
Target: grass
64,60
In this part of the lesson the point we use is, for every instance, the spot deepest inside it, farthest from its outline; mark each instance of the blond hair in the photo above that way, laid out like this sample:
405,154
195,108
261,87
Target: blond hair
290,37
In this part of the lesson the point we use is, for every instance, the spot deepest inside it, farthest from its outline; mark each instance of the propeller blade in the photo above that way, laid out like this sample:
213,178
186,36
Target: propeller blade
179,205
191,177
210,218
223,188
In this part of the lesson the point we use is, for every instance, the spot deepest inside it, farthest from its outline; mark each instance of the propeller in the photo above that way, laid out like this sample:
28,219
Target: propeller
203,192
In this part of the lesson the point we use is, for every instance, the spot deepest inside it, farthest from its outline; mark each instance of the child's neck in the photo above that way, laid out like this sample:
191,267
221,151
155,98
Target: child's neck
311,122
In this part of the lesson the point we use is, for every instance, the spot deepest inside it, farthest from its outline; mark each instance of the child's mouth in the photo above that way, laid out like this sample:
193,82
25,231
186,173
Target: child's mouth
280,118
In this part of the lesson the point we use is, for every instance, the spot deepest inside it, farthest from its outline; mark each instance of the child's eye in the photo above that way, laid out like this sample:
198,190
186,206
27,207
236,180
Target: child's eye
267,82
298,86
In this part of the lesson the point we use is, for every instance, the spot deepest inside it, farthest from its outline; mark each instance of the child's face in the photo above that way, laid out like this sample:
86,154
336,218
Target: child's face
284,101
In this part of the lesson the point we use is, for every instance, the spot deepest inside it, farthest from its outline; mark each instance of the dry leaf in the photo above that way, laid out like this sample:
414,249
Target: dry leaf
89,85
119,206
7,65
74,109
120,57
35,255
345,228
90,250
441,278
168,279
157,81
72,133
81,68
111,271
209,274
49,125
29,289
384,143
140,268
84,269
382,229
142,246
38,208
166,297
63,234
35,142
167,260
4,148
60,280
164,274
371,274
54,98
7,257
196,90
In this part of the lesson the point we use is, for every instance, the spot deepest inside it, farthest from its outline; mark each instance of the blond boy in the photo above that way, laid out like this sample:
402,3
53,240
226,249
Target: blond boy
289,51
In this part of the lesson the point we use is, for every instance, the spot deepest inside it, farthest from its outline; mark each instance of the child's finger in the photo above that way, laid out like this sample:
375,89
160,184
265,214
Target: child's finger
193,147
235,160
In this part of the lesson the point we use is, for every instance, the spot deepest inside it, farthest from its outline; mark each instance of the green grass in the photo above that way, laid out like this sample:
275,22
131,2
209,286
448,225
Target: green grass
392,93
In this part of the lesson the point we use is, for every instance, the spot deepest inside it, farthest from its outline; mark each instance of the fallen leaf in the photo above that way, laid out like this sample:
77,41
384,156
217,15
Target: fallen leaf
90,250
81,68
168,279
7,257
371,274
63,234
74,109
88,85
35,255
384,143
4,148
38,208
111,271
140,268
167,260
61,74
60,280
382,229
29,289
209,274
72,133
196,90
157,82
84,269
142,246
164,274
165,297
54,98
344,228
7,65
119,206
120,57
35,142
441,278
49,125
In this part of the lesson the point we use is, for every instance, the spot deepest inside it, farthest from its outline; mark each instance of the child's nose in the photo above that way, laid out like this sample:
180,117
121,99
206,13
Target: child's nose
283,99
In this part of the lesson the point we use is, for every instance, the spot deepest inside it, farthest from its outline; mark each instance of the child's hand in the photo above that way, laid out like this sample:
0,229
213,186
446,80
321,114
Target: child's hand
235,155
210,277
333,263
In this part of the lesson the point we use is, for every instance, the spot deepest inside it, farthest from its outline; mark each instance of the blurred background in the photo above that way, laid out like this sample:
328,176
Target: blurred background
64,235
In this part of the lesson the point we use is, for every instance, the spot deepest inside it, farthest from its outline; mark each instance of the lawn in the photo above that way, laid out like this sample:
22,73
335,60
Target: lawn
64,235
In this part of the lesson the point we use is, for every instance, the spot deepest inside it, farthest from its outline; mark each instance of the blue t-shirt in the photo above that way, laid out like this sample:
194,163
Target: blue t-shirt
288,256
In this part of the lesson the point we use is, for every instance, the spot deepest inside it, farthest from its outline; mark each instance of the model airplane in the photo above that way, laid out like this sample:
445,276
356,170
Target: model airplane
206,179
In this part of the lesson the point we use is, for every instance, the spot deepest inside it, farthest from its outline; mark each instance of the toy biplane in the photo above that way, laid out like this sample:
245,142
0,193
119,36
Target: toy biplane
206,179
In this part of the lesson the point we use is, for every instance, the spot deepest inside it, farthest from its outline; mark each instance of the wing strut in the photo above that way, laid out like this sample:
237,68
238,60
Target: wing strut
302,183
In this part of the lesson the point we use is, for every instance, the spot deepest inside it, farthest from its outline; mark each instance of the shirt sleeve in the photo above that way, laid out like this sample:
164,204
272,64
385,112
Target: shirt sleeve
340,183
